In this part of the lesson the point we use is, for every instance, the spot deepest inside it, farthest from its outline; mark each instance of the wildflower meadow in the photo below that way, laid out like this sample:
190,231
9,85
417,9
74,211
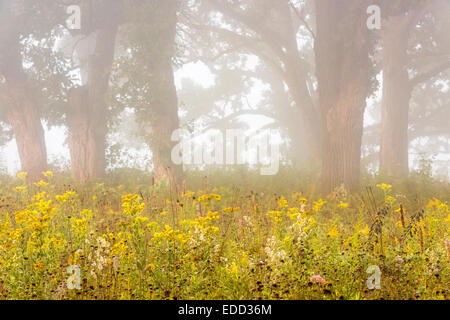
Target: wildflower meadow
112,241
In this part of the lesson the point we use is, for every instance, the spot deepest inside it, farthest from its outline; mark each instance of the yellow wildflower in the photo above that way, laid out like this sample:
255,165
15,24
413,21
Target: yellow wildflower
48,174
333,233
342,204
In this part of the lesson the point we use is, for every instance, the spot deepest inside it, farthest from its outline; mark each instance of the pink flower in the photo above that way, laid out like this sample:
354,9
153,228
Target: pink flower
317,278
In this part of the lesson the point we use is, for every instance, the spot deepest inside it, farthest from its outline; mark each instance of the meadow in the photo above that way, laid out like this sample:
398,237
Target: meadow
133,239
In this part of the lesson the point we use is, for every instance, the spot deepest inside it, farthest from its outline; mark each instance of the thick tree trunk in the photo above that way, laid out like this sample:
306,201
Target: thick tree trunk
165,121
86,138
343,128
396,98
164,101
164,106
23,116
77,139
87,117
22,110
342,64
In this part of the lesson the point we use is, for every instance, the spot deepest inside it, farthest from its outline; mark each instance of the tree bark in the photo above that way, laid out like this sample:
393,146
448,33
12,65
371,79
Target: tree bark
396,98
22,109
342,64
23,116
164,100
87,117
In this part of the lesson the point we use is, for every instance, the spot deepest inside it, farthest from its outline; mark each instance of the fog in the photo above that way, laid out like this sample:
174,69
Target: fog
224,149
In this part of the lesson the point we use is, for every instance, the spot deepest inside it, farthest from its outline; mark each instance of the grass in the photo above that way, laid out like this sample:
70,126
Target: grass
138,241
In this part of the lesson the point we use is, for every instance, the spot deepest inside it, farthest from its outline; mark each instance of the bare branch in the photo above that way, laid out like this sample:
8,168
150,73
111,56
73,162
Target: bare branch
429,74
302,19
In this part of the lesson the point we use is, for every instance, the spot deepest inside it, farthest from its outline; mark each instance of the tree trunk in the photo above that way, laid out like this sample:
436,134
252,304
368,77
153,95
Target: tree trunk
396,98
23,116
342,132
290,116
342,64
296,75
87,117
22,110
86,138
165,120
164,101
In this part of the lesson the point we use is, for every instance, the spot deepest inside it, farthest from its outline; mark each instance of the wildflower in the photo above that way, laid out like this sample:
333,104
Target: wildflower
385,187
163,213
215,196
206,197
152,225
212,215
140,219
318,204
390,200
365,231
342,204
333,233
282,203
66,196
231,209
41,183
48,174
22,175
438,205
317,278
275,215
38,266
233,269
132,205
188,194
293,213
150,267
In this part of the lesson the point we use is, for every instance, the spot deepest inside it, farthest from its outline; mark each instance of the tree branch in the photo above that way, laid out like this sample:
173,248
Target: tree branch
429,74
305,23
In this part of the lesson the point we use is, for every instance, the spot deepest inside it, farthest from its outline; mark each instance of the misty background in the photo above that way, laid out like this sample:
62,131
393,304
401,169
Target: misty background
235,64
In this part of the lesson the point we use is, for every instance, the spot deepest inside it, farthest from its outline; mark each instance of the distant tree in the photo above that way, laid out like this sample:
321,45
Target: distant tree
27,37
92,50
411,44
145,82
275,33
